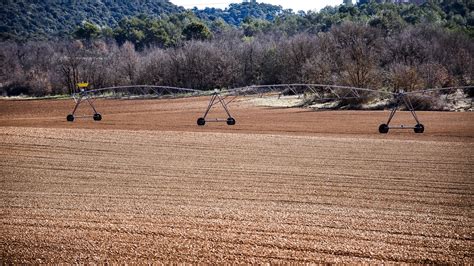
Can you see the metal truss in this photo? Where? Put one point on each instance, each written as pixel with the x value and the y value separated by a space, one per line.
pixel 403 98
pixel 317 91
pixel 314 92
pixel 142 91
pixel 130 92
pixel 320 92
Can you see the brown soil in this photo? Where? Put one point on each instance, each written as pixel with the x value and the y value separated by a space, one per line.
pixel 147 184
pixel 181 115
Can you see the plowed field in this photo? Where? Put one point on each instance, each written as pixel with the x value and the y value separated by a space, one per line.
pixel 283 185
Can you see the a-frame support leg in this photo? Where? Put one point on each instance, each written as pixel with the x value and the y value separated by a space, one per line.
pixel 83 97
pixel 418 128
pixel 215 99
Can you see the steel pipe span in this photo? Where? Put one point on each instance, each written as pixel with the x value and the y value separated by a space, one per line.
pixel 315 92
pixel 136 90
pixel 320 91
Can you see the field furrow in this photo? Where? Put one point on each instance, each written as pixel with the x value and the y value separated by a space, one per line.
pixel 102 195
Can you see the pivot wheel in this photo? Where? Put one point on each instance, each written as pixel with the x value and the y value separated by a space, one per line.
pixel 70 118
pixel 419 128
pixel 383 128
pixel 97 117
pixel 230 121
pixel 201 121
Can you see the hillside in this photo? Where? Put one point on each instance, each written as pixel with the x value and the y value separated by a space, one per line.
pixel 36 20
pixel 235 14
pixel 29 19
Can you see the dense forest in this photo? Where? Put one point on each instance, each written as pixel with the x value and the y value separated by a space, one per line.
pixel 381 46
pixel 24 20
pixel 47 19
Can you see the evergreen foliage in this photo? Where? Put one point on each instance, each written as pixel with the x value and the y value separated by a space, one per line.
pixel 45 19
pixel 30 19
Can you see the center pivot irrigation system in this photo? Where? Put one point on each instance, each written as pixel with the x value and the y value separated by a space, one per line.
pixel 309 92
pixel 121 92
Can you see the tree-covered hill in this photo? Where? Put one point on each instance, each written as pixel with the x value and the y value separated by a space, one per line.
pixel 42 19
pixel 22 20
pixel 235 14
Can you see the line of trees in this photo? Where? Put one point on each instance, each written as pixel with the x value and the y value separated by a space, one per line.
pixel 352 53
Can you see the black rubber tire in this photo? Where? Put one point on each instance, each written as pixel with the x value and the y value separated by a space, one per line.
pixel 70 118
pixel 97 117
pixel 383 129
pixel 201 121
pixel 419 128
pixel 230 121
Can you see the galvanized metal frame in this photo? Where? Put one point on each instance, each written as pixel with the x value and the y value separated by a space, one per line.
pixel 323 92
pixel 319 92
pixel 80 97
pixel 403 98
pixel 135 91
pixel 216 98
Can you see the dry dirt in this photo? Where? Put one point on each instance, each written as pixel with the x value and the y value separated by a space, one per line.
pixel 283 185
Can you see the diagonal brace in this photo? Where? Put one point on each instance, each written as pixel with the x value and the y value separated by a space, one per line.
pixel 216 98
pixel 399 99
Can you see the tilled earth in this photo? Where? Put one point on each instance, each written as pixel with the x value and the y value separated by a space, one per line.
pixel 282 185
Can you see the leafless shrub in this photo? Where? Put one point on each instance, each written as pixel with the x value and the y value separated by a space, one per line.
pixel 406 78
pixel 426 103
pixel 435 75
pixel 359 49
pixel 410 78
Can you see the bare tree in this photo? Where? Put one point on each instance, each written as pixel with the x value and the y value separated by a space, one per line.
pixel 358 50
pixel 73 55
pixel 152 68
pixel 11 69
pixel 294 54
pixel 250 59
pixel 349 54
pixel 409 48
pixel 435 75
pixel 321 67
pixel 128 63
